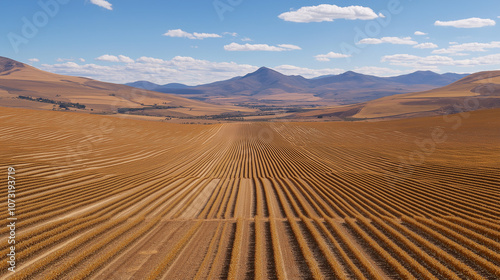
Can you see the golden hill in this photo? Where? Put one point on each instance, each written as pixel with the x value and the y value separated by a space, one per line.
pixel 477 91
pixel 18 79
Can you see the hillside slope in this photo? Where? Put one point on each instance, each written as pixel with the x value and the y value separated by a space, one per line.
pixel 474 92
pixel 477 91
pixel 18 79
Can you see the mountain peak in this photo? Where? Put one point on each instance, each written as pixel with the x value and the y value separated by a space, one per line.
pixel 7 64
pixel 425 72
pixel 144 85
pixel 350 74
pixel 264 70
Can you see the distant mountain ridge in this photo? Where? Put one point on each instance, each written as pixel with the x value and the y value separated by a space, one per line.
pixel 271 86
pixel 421 77
pixel 143 85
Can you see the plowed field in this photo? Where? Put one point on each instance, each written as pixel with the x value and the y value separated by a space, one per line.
pixel 105 198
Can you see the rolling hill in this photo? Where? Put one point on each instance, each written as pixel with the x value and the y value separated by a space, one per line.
pixel 271 87
pixel 24 86
pixel 477 91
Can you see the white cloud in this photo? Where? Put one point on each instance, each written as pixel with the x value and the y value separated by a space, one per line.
pixel 377 71
pixel 102 3
pixel 330 55
pixel 453 43
pixel 81 60
pixel 436 60
pixel 234 34
pixel 64 59
pixel 390 40
pixel 426 46
pixel 202 36
pixel 112 58
pixel 150 60
pixel 467 23
pixel 260 47
pixel 179 33
pixel 468 47
pixel 420 33
pixel 34 60
pixel 125 59
pixel 416 61
pixel 289 47
pixel 108 58
pixel 326 12
pixel 246 39
pixel 306 72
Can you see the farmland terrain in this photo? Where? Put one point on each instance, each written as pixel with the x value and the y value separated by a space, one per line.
pixel 101 197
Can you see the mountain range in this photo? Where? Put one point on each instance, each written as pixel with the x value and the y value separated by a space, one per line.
pixel 269 86
pixel 24 86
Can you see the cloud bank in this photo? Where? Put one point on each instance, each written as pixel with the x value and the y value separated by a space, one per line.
pixel 468 47
pixel 330 55
pixel 433 61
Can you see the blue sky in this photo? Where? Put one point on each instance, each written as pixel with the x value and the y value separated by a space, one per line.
pixel 202 41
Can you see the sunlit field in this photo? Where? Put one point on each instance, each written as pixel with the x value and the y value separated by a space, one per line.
pixel 107 198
